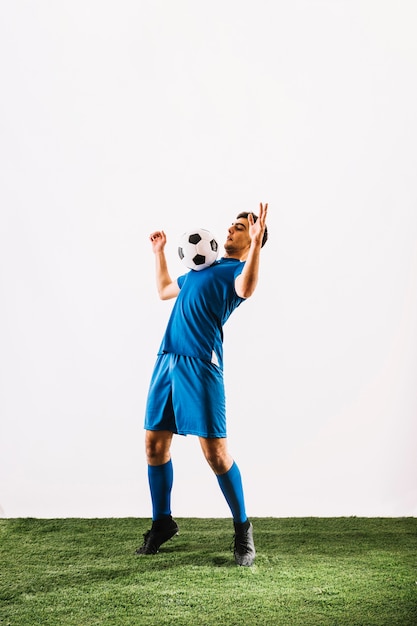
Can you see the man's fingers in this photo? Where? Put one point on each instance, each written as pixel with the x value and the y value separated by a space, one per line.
pixel 263 210
pixel 157 236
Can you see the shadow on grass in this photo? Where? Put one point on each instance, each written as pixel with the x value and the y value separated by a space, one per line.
pixel 184 555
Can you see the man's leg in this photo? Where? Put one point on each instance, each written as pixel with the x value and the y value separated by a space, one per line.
pixel 160 475
pixel 228 475
pixel 230 481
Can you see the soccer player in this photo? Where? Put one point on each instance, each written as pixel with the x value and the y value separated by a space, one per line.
pixel 186 394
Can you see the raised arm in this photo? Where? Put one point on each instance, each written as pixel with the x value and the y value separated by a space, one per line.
pixel 246 282
pixel 167 288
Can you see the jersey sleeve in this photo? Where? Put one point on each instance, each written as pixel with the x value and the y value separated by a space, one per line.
pixel 239 269
pixel 180 280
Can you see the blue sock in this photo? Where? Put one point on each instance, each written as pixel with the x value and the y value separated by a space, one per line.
pixel 160 483
pixel 231 486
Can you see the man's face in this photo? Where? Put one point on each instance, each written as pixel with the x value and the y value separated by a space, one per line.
pixel 238 239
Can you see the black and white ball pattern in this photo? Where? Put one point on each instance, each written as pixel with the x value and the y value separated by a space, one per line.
pixel 198 249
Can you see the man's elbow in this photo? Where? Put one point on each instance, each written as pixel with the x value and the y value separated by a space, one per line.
pixel 163 294
pixel 167 292
pixel 245 293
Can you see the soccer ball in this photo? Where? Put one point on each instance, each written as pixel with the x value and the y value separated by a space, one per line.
pixel 198 249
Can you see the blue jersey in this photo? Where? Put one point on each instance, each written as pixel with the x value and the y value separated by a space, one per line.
pixel 204 303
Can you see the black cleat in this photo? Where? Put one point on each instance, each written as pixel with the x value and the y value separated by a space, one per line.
pixel 244 548
pixel 161 531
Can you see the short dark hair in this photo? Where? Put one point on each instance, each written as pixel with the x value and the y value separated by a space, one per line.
pixel 255 217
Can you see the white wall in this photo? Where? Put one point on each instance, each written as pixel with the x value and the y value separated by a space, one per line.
pixel 118 118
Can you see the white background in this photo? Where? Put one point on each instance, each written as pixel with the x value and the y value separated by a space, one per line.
pixel 118 118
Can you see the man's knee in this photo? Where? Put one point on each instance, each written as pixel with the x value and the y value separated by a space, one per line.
pixel 217 455
pixel 158 446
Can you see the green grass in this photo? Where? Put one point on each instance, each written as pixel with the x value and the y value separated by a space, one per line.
pixel 309 571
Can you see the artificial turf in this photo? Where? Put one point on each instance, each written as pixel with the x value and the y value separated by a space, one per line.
pixel 310 571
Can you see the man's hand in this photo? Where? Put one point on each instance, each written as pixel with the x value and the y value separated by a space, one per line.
pixel 166 287
pixel 158 240
pixel 245 283
pixel 257 229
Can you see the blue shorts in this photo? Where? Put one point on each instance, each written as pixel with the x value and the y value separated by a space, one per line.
pixel 186 396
